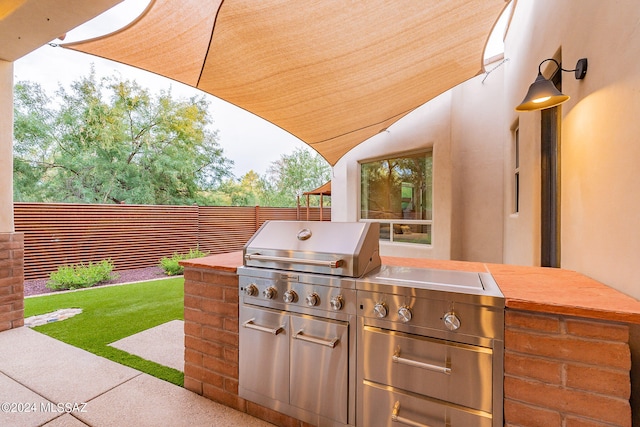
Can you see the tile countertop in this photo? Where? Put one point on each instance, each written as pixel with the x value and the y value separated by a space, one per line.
pixel 547 290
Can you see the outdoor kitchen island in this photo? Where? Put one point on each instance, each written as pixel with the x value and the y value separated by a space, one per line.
pixel 567 359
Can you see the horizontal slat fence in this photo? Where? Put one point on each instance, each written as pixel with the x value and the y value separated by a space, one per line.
pixel 135 236
pixel 225 229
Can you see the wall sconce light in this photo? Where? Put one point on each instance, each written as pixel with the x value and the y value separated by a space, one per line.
pixel 543 93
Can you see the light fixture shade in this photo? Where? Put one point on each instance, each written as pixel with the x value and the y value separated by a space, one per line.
pixel 542 94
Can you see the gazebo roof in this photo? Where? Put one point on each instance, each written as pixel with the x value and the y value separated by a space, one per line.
pixel 324 189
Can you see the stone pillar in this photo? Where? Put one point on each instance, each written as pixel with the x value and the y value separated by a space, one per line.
pixel 11 243
pixel 11 280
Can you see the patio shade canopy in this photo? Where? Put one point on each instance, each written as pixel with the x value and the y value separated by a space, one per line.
pixel 331 72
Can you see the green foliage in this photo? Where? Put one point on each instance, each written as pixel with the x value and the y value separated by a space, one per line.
pixel 292 175
pixel 80 275
pixel 110 141
pixel 112 313
pixel 246 192
pixel 171 265
pixel 287 178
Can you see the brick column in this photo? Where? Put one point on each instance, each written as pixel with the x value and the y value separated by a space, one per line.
pixel 11 280
pixel 211 342
pixel 565 371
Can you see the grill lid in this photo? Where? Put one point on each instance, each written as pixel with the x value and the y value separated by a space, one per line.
pixel 337 248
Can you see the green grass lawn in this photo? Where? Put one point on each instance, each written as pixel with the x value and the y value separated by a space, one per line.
pixel 111 313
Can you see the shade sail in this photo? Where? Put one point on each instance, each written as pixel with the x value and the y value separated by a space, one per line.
pixel 331 72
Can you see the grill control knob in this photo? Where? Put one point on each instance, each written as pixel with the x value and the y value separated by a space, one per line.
pixel 251 290
pixel 312 299
pixel 451 321
pixel 337 302
pixel 404 313
pixel 290 296
pixel 270 292
pixel 380 310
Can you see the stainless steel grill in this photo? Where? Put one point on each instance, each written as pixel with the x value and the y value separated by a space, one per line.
pixel 331 337
pixel 298 317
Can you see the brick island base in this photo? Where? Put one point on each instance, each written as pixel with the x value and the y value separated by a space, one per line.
pixel 11 280
pixel 560 370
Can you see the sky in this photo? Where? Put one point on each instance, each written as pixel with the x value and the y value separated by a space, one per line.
pixel 251 142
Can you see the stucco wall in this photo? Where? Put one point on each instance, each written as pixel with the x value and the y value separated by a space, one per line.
pixel 477 135
pixel 600 178
pixel 6 146
pixel 470 126
pixel 464 128
pixel 425 128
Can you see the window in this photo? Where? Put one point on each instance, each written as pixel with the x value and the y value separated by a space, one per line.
pixel 397 193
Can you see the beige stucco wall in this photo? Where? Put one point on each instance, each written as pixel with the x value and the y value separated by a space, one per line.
pixel 470 129
pixel 477 135
pixel 425 128
pixel 465 134
pixel 600 149
pixel 6 147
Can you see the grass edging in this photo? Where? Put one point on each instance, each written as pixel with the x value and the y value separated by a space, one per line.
pixel 112 313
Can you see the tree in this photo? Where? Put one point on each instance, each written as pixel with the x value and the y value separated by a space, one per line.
pixel 110 141
pixel 292 175
pixel 34 141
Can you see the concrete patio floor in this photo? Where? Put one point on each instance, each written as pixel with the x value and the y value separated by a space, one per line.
pixel 45 382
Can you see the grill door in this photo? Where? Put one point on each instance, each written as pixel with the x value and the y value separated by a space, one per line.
pixel 320 366
pixel 264 352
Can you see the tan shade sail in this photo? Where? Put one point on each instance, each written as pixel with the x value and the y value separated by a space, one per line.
pixel 331 72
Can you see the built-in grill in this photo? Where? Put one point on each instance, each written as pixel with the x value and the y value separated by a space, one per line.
pixel 298 317
pixel 331 337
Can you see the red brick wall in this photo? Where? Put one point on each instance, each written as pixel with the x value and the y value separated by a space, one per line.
pixel 559 371
pixel 565 372
pixel 211 342
pixel 11 280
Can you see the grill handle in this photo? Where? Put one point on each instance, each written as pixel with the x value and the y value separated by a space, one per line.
pixel 396 418
pixel 273 331
pixel 300 336
pixel 403 361
pixel 332 264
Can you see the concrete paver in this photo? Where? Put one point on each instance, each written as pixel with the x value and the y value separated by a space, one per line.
pixel 163 344
pixel 38 370
pixel 151 402
pixel 20 406
pixel 55 370
pixel 66 420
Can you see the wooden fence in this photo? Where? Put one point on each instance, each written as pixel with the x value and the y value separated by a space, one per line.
pixel 135 236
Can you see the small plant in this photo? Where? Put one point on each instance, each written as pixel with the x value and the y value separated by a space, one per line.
pixel 171 265
pixel 81 275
